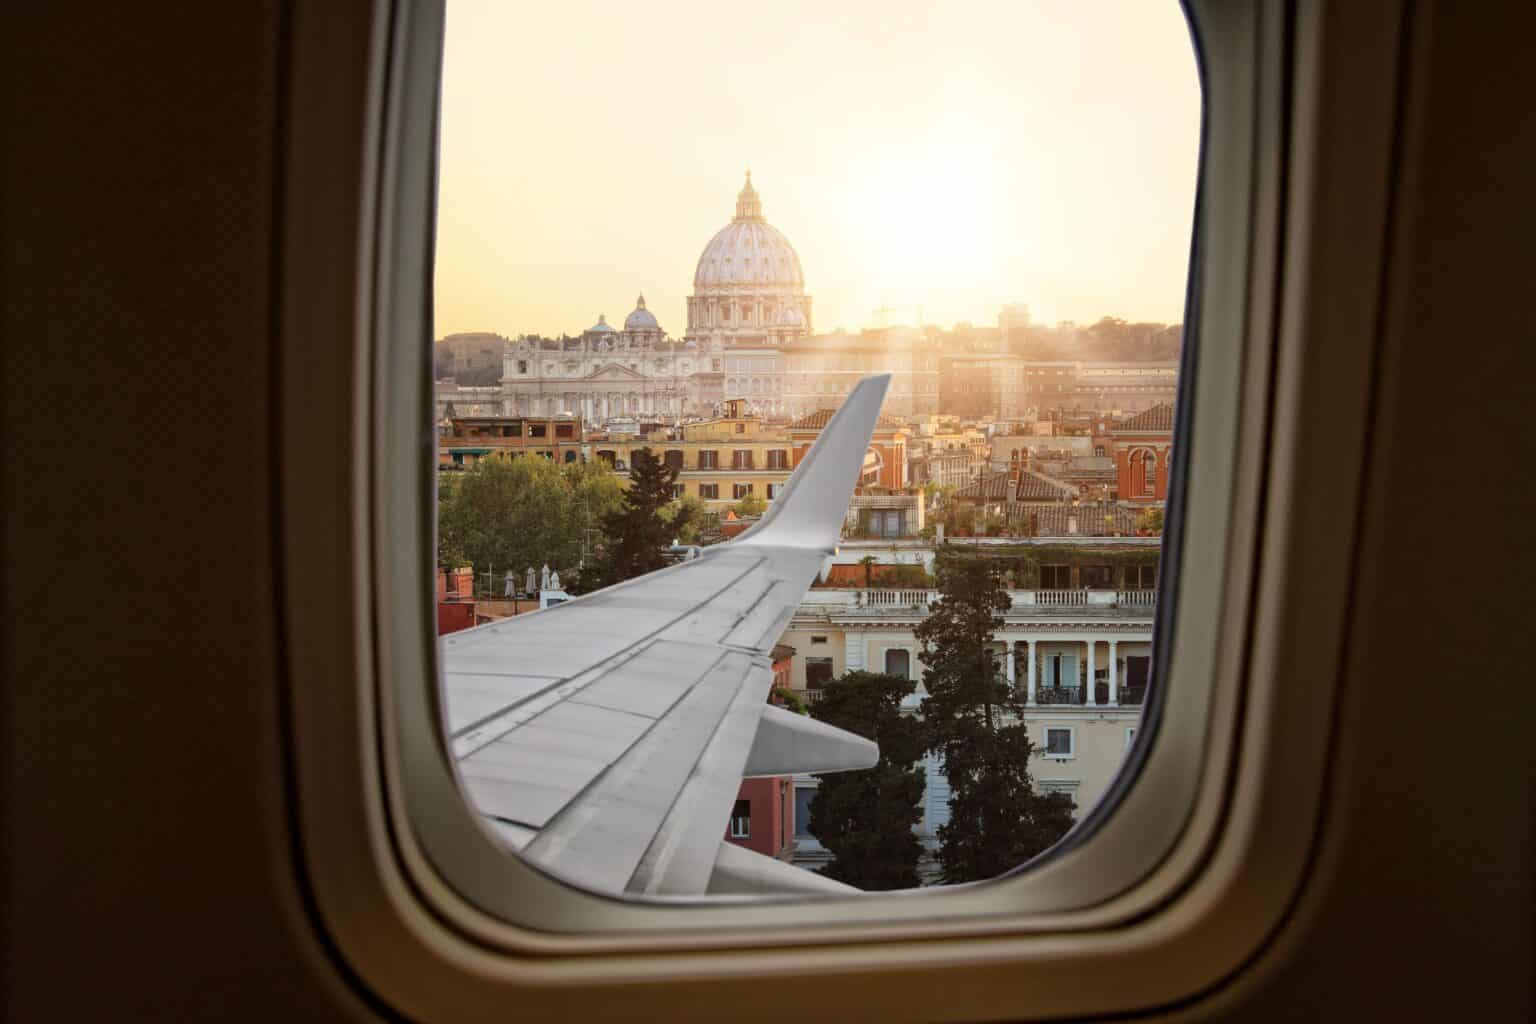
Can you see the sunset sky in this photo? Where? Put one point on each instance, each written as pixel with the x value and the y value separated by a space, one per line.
pixel 950 157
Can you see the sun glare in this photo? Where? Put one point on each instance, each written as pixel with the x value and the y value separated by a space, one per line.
pixel 937 169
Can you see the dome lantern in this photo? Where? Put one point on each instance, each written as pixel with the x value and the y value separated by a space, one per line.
pixel 748 205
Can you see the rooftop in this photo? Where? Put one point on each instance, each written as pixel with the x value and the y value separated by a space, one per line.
pixel 1157 419
pixel 819 419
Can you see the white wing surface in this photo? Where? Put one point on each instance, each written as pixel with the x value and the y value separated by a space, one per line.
pixel 607 737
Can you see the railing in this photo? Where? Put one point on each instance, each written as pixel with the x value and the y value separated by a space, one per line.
pixel 1133 694
pixel 883 597
pixel 895 598
pixel 809 696
pixel 1059 695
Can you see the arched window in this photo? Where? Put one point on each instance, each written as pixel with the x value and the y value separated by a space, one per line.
pixel 1149 475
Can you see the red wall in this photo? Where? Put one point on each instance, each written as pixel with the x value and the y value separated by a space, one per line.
pixel 453 616
pixel 1130 474
pixel 772 829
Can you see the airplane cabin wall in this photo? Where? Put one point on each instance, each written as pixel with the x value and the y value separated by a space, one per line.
pixel 149 863
pixel 150 866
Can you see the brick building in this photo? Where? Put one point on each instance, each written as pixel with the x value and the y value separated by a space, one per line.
pixel 1143 453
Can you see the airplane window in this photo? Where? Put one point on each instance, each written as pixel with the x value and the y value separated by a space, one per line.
pixel 944 210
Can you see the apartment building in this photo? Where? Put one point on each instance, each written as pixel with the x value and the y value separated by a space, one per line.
pixel 718 471
pixel 465 440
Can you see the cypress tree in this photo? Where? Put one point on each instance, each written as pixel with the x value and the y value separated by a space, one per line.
pixel 974 722
pixel 866 818
pixel 637 532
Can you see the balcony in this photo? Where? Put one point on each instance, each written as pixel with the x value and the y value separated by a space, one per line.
pixel 1047 695
pixel 895 598
pixel 880 598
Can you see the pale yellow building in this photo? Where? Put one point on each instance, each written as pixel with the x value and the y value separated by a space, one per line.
pixel 718 471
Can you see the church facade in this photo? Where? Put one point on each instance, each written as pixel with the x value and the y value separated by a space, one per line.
pixel 609 372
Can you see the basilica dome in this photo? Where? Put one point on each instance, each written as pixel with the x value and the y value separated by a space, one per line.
pixel 641 319
pixel 748 251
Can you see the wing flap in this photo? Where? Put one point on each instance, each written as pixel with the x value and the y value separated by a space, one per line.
pixel 787 743
pixel 599 840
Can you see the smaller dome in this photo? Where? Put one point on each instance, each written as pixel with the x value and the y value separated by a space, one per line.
pixel 601 327
pixel 641 319
pixel 790 316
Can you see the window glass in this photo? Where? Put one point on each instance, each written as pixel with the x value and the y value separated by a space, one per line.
pixel 1097 577
pixel 741 820
pixel 1055 577
pixel 1010 244
pixel 1058 742
pixel 803 797
pixel 818 672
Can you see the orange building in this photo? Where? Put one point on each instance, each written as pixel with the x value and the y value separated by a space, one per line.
pixel 888 446
pixel 1143 454
pixel 464 440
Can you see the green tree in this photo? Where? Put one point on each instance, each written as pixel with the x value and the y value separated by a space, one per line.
pixel 512 513
pixel 788 700
pixel 1151 521
pixel 974 721
pixel 866 818
pixel 751 505
pixel 637 531
pixel 685 517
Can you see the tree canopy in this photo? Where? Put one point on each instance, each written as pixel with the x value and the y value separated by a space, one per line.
pixel 751 505
pixel 521 512
pixel 866 818
pixel 974 721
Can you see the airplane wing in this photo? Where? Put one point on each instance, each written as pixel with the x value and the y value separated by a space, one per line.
pixel 607 737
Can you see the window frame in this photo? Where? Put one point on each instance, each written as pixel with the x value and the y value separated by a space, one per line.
pixel 376 841
pixel 829 663
pixel 738 830
pixel 1056 755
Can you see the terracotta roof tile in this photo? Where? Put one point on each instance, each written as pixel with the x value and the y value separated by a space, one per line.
pixel 819 418
pixel 1158 418
pixel 1090 519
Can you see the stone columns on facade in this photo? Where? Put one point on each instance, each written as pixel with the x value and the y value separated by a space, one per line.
pixel 1012 681
pixel 1030 671
pixel 1089 695
pixel 1114 675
